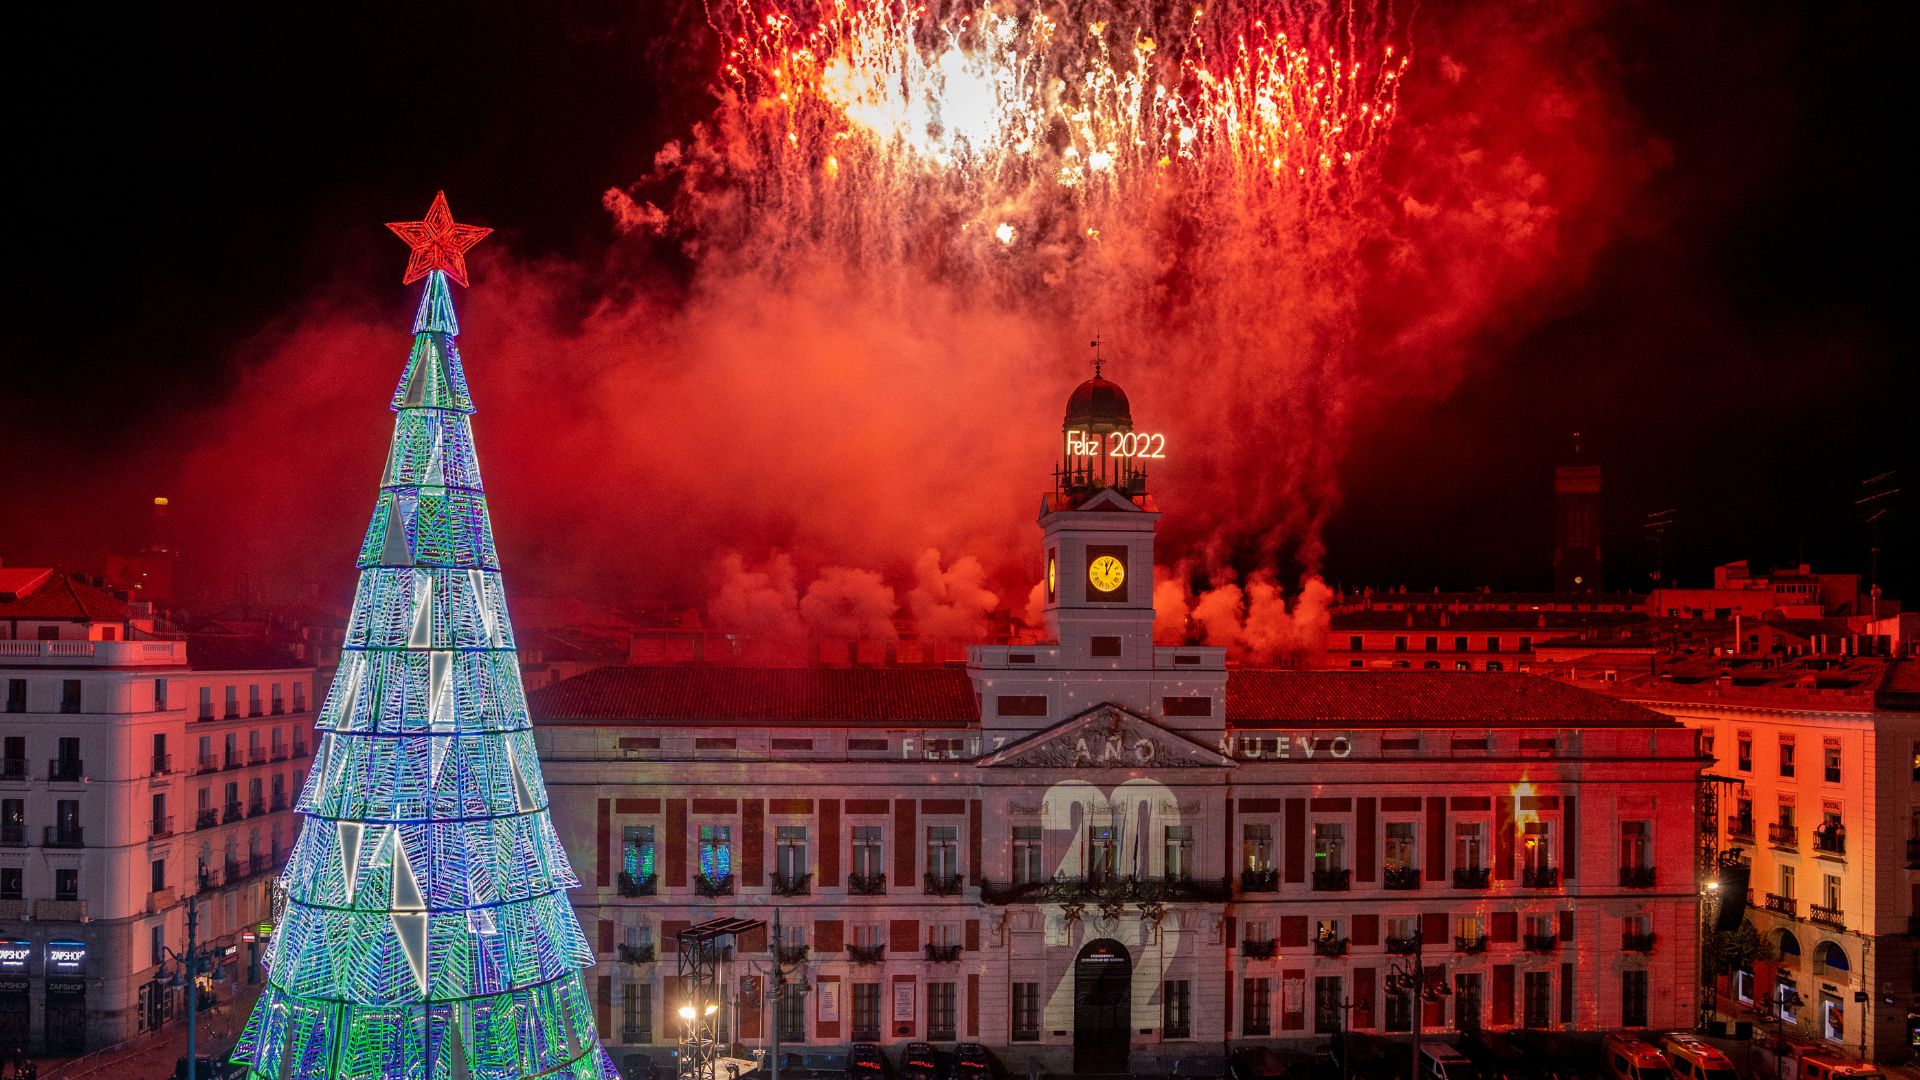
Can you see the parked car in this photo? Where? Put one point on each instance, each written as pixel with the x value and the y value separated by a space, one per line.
pixel 1438 1061
pixel 972 1062
pixel 1627 1057
pixel 920 1061
pixel 1693 1058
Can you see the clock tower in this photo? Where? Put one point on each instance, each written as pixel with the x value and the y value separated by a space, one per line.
pixel 1096 529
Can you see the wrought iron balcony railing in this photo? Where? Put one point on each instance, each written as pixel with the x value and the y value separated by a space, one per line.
pixel 801 885
pixel 1107 891
pixel 161 826
pixel 793 954
pixel 1264 879
pixel 631 886
pixel 942 954
pixel 1783 835
pixel 13 769
pixel 1330 947
pixel 866 954
pixel 1540 877
pixel 1476 944
pixel 1782 905
pixel 711 887
pixel 1830 840
pixel 1332 880
pixel 1402 877
pixel 1260 950
pixel 636 954
pixel 1402 946
pixel 66 836
pixel 1636 877
pixel 13 836
pixel 1740 826
pixel 942 884
pixel 1540 942
pixel 1472 877
pixel 1640 943
pixel 866 884
pixel 206 818
pixel 65 770
pixel 1825 916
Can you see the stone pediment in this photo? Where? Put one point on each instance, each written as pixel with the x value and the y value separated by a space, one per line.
pixel 1107 737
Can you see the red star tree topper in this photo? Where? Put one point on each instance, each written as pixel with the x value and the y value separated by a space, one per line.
pixel 438 243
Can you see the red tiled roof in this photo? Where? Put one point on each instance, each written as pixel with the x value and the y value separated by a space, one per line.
pixel 58 597
pixel 1425 698
pixel 832 697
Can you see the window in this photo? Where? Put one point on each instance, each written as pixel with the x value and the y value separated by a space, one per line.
pixel 159 874
pixel 1633 998
pixel 866 1010
pixel 716 852
pixel 1186 706
pixel 1636 845
pixel 1256 1011
pixel 791 1014
pixel 1463 665
pixel 66 883
pixel 279 702
pixel 1400 643
pixel 69 695
pixel 940 1011
pixel 1021 705
pixel 1493 644
pixel 943 852
pixel 1356 644
pixel 1706 743
pixel 157 944
pixel 1469 845
pixel 1026 854
pixel 1537 993
pixel 1786 882
pixel 790 852
pixel 1786 755
pixel 1328 996
pixel 1537 846
pixel 1916 755
pixel 1026 1012
pixel 1329 846
pixel 1832 762
pixel 206 703
pixel 1100 852
pixel 867 855
pixel 636 853
pixel 1468 928
pixel 17 702
pixel 1830 891
pixel 11 880
pixel 1179 852
pixel 1256 846
pixel 1460 644
pixel 1103 646
pixel 1400 851
pixel 636 1013
pixel 253 699
pixel 232 702
pixel 299 697
pixel 1744 760
pixel 1176 1016
pixel 1526 644
pixel 1327 930
pixel 159 695
pixel 1399 1008
pixel 1432 644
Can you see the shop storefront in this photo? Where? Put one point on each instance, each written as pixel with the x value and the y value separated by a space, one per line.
pixel 16 994
pixel 66 997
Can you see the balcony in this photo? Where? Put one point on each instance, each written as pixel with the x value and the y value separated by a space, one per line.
pixel 1472 877
pixel 208 878
pixel 299 748
pixel 1540 942
pixel 1254 949
pixel 1740 827
pixel 95 653
pixel 792 884
pixel 67 910
pixel 162 765
pixel 1640 943
pixel 207 764
pixel 160 827
pixel 206 818
pixel 866 954
pixel 1783 835
pixel 636 954
pixel 65 836
pixel 13 836
pixel 1636 877
pixel 232 760
pixel 235 871
pixel 1401 877
pixel 259 863
pixel 1830 841
pixel 279 802
pixel 65 771
pixel 1540 877
pixel 942 884
pixel 1106 891
pixel 13 769
pixel 1782 905
pixel 793 954
pixel 256 807
pixel 160 900
pixel 1332 880
pixel 1330 947
pixel 632 886
pixel 232 813
pixel 256 755
pixel 1265 879
pixel 1825 916
pixel 1470 944
pixel 712 887
pixel 1402 946
pixel 942 954
pixel 279 753
pixel 866 884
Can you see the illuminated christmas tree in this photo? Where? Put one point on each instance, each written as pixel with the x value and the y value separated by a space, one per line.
pixel 426 932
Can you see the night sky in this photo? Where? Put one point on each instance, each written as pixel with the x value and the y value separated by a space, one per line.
pixel 1733 352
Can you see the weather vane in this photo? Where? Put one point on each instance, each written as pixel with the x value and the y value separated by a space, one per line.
pixel 1095 346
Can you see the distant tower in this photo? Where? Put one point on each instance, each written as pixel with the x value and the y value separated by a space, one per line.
pixel 1576 526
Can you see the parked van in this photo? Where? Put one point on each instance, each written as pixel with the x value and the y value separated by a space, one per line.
pixel 1628 1058
pixel 1827 1067
pixel 1693 1058
pixel 1439 1061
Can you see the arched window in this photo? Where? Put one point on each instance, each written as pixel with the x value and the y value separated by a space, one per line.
pixel 1829 958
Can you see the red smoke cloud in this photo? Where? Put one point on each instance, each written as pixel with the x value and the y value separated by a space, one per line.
pixel 811 430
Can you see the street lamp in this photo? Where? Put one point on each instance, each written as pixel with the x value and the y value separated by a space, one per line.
pixel 195 960
pixel 1411 977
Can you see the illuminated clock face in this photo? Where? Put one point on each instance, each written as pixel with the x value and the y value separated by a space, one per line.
pixel 1053 575
pixel 1106 573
